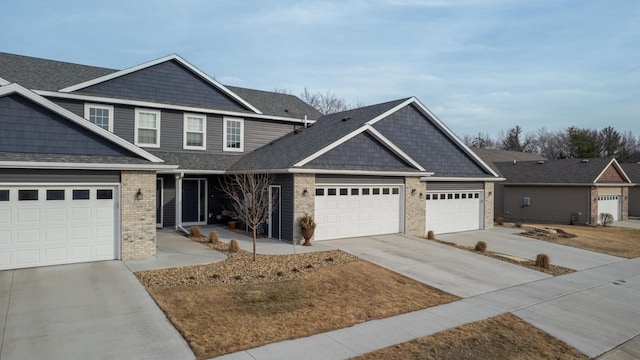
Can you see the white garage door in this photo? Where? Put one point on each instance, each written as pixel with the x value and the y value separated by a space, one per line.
pixel 454 211
pixel 609 204
pixel 357 210
pixel 50 225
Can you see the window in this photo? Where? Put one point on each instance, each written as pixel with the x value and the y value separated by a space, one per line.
pixel 195 130
pixel 395 191
pixel 147 128
pixel 4 195
pixel 344 192
pixel 233 134
pixel 442 196
pixel 449 196
pixel 104 194
pixel 376 191
pixel 55 194
pixel 355 191
pixel 80 194
pixel 331 192
pixel 101 115
pixel 319 192
pixel 428 196
pixel 457 196
pixel 385 191
pixel 476 196
pixel 24 195
pixel 365 191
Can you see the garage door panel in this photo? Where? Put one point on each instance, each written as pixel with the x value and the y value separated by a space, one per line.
pixel 453 211
pixel 609 204
pixel 56 229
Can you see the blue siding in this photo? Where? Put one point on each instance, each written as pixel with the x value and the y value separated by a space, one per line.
pixel 362 150
pixel 425 143
pixel 168 82
pixel 27 127
pixel 286 206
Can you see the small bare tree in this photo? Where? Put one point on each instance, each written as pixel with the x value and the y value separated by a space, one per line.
pixel 249 199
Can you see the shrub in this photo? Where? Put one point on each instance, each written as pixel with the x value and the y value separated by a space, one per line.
pixel 213 237
pixel 542 260
pixel 430 235
pixel 606 219
pixel 233 245
pixel 195 232
pixel 481 246
pixel 518 224
pixel 500 220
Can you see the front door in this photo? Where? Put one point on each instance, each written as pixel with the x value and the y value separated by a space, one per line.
pixel 194 201
pixel 274 211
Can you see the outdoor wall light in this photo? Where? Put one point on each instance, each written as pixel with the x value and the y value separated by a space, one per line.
pixel 413 192
pixel 139 195
pixel 305 192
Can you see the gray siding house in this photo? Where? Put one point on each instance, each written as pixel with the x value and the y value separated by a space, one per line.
pixel 94 160
pixel 633 170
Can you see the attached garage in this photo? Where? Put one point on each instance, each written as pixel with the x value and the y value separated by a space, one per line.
pixel 609 204
pixel 57 224
pixel 353 209
pixel 452 207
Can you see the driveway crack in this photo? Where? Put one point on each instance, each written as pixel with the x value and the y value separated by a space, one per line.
pixel 6 315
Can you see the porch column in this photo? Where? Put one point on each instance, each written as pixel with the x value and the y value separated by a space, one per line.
pixel 179 200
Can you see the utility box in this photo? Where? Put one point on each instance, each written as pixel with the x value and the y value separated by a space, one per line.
pixel 526 201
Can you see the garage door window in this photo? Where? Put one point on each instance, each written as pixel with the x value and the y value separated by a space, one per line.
pixel 55 194
pixel 80 194
pixel 365 191
pixel 319 192
pixel 331 192
pixel 4 195
pixel 27 195
pixel 344 192
pixel 355 191
pixel 104 194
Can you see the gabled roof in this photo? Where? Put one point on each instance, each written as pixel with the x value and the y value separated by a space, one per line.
pixel 633 171
pixel 491 156
pixel 77 120
pixel 277 104
pixel 198 162
pixel 559 171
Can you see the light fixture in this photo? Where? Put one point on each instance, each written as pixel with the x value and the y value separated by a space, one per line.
pixel 413 192
pixel 305 192
pixel 139 195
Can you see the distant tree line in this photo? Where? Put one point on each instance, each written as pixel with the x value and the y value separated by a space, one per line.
pixel 325 103
pixel 572 142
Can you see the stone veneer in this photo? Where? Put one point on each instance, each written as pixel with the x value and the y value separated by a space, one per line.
pixel 625 203
pixel 302 204
pixel 489 200
pixel 593 205
pixel 138 217
pixel 414 207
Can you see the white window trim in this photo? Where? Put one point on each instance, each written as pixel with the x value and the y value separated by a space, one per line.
pixel 224 134
pixel 204 132
pixel 89 106
pixel 135 134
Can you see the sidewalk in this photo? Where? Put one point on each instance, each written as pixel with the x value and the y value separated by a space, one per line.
pixel 594 310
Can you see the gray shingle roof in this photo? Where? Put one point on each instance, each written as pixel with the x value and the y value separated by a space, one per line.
pixel 491 156
pixel 195 161
pixel 67 158
pixel 633 171
pixel 563 171
pixel 43 74
pixel 298 145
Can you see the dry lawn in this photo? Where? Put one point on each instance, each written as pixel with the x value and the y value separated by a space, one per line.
pixel 615 241
pixel 502 337
pixel 236 304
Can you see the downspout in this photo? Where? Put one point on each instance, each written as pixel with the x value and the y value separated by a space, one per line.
pixel 305 121
pixel 178 226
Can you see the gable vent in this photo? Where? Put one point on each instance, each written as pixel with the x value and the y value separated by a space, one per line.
pixel 540 162
pixel 584 161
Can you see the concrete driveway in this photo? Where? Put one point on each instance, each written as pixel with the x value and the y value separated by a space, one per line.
pixel 456 271
pixel 506 241
pixel 83 311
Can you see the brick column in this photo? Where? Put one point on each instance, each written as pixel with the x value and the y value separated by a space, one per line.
pixel 138 217
pixel 414 207
pixel 303 203
pixel 489 203
pixel 625 203
pixel 593 205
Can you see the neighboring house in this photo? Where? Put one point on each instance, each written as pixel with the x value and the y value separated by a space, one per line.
pixel 633 170
pixel 491 156
pixel 94 159
pixel 564 191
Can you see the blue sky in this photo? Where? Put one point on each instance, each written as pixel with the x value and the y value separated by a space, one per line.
pixel 479 65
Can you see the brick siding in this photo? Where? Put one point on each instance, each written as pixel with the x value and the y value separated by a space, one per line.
pixel 138 224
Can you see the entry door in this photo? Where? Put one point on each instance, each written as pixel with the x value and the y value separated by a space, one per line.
pixel 194 201
pixel 159 185
pixel 274 211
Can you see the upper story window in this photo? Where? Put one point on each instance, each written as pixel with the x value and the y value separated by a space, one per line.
pixel 101 115
pixel 147 128
pixel 195 130
pixel 233 134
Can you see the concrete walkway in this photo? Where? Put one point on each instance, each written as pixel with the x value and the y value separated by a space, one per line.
pixel 585 309
pixel 631 223
pixel 83 311
pixel 455 271
pixel 506 241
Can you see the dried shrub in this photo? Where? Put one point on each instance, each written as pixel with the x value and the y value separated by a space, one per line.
pixel 542 260
pixel 195 232
pixel 518 224
pixel 213 237
pixel 233 246
pixel 606 219
pixel 430 235
pixel 481 246
pixel 500 220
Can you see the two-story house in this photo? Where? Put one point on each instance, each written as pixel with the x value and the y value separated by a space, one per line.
pixel 93 160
